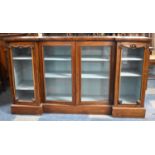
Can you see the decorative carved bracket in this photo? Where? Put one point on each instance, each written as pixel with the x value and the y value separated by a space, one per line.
pixel 21 46
pixel 133 46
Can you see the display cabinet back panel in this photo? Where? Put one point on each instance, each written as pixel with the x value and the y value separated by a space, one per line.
pixel 96 52
pixel 26 95
pixel 131 68
pixel 57 51
pixel 58 66
pixel 22 53
pixel 57 89
pixel 133 53
pixel 96 67
pixel 95 90
pixel 130 89
pixel 23 71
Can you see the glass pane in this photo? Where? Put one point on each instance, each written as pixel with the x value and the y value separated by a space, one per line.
pixel 58 73
pixel 131 74
pixel 95 73
pixel 22 60
pixel 151 71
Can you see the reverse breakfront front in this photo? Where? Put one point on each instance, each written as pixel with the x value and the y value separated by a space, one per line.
pixel 97 75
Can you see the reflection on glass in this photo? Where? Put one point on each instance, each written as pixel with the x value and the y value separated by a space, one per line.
pixel 131 74
pixel 95 73
pixel 22 60
pixel 58 73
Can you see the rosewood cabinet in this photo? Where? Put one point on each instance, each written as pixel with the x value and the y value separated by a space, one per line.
pixel 95 75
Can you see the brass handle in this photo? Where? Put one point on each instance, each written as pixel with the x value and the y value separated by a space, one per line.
pixel 133 46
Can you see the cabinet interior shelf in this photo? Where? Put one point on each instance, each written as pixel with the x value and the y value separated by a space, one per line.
pixel 94 59
pixel 131 59
pixel 57 59
pixel 69 59
pixel 130 74
pixel 22 58
pixel 25 85
pixel 84 75
pixel 58 98
pixel 94 98
pixel 94 76
pixel 57 75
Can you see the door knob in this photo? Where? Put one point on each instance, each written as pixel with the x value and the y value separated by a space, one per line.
pixel 133 45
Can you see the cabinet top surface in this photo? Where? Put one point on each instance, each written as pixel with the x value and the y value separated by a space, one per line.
pixel 78 38
pixel 2 35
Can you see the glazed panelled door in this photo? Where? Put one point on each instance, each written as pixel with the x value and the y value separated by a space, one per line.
pixel 94 72
pixel 58 72
pixel 22 64
pixel 131 83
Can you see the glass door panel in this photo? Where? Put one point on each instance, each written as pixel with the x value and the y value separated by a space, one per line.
pixel 58 73
pixel 131 75
pixel 95 73
pixel 23 73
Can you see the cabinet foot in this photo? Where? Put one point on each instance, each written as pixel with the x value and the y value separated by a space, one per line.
pixel 131 112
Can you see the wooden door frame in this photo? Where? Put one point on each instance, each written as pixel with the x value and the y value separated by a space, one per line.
pixel 34 50
pixel 144 72
pixel 42 65
pixel 78 71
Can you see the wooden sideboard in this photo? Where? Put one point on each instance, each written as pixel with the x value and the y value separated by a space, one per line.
pixel 95 75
